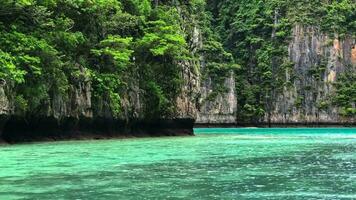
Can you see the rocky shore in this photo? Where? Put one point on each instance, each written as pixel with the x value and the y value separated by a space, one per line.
pixel 18 130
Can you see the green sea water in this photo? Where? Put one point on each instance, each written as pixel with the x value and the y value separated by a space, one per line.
pixel 215 164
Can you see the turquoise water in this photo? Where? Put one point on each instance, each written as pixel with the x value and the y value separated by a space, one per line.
pixel 216 164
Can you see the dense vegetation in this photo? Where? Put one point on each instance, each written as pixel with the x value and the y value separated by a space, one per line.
pixel 47 47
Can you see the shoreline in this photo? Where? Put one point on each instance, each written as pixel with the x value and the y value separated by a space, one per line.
pixel 277 125
pixel 19 130
pixel 89 138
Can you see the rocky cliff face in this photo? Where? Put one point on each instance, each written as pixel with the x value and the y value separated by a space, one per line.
pixel 4 107
pixel 318 61
pixel 77 118
pixel 222 108
pixel 79 103
pixel 4 102
pixel 186 101
pixel 76 105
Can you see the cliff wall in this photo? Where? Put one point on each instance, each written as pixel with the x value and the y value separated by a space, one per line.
pixel 319 60
pixel 222 108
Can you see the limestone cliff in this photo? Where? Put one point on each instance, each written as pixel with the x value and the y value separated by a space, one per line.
pixel 212 107
pixel 4 102
pixel 318 60
pixel 4 107
pixel 222 108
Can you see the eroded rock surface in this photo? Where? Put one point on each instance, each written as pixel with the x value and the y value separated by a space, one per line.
pixel 318 61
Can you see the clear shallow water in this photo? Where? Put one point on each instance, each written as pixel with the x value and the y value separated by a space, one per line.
pixel 216 164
